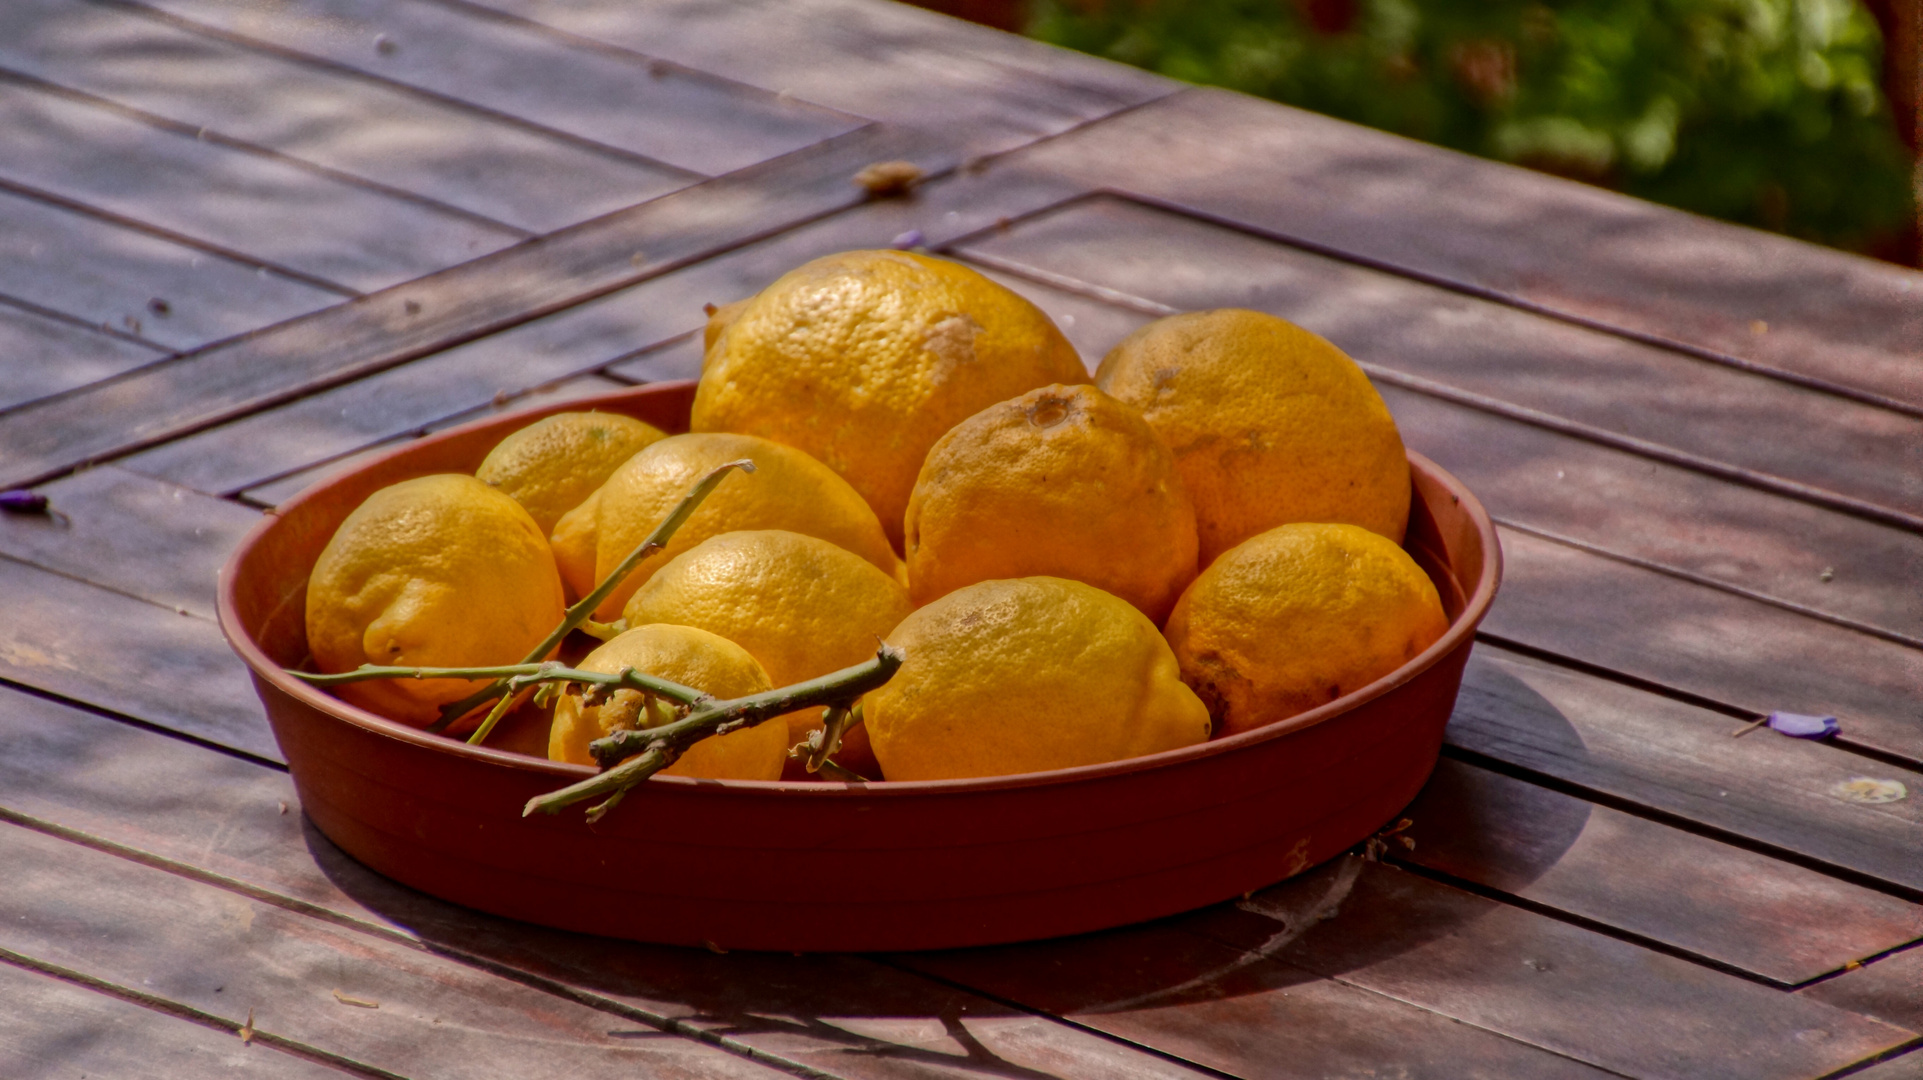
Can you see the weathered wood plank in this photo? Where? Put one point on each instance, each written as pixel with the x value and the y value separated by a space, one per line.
pixel 1578 250
pixel 225 954
pixel 279 489
pixel 1760 543
pixel 1890 989
pixel 1239 1011
pixel 1715 413
pixel 218 819
pixel 532 280
pixel 457 157
pixel 243 453
pixel 58 1029
pixel 1549 984
pixel 147 538
pixel 1909 1066
pixel 1723 903
pixel 107 649
pixel 1725 647
pixel 688 118
pixel 991 91
pixel 42 354
pixel 1612 741
pixel 165 293
pixel 265 208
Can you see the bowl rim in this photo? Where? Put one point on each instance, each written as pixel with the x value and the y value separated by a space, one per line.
pixel 1461 630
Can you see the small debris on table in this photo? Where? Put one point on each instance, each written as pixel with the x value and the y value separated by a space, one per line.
pixel 908 241
pixel 889 177
pixel 23 501
pixel 358 1003
pixel 1870 791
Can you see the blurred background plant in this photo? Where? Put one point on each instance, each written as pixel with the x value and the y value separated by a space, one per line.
pixel 1765 112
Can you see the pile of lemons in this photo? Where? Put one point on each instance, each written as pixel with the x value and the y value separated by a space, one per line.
pixel 1203 540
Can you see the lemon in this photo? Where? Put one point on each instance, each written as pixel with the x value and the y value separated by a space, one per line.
pixel 1269 423
pixel 439 571
pixel 1299 616
pixel 552 464
pixel 573 542
pixel 1063 481
pixel 788 490
pixel 690 657
pixel 1020 676
pixel 864 359
pixel 801 606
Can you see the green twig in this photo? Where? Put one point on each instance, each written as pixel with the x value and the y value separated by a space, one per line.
pixel 578 614
pixel 629 757
pixel 520 675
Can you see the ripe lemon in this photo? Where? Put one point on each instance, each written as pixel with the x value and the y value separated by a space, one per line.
pixel 1299 616
pixel 690 657
pixel 1019 676
pixel 801 606
pixel 573 541
pixel 1063 481
pixel 864 359
pixel 552 464
pixel 439 571
pixel 788 490
pixel 1269 423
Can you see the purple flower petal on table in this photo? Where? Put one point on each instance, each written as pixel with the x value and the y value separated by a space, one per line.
pixel 1799 726
pixel 22 501
pixel 910 239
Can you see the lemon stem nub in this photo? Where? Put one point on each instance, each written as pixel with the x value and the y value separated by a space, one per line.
pixel 629 757
pixel 577 615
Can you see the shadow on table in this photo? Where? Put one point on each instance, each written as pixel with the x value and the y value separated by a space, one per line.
pixel 1344 915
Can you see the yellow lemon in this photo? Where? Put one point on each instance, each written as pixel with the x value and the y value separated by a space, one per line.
pixel 1064 481
pixel 1019 676
pixel 439 571
pixel 1299 616
pixel 800 605
pixel 788 490
pixel 552 464
pixel 864 359
pixel 573 541
pixel 1269 423
pixel 690 657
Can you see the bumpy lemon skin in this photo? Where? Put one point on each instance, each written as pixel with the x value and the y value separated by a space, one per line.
pixel 801 606
pixel 788 490
pixel 865 358
pixel 1020 676
pixel 551 465
pixel 690 657
pixel 573 542
pixel 1063 481
pixel 1298 616
pixel 1270 424
pixel 438 571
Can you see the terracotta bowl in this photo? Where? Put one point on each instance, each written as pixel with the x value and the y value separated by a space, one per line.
pixel 819 866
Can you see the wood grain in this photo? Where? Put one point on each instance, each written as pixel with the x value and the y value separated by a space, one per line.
pixel 1485 348
pixel 1729 648
pixel 688 118
pixel 1562 987
pixel 1723 903
pixel 275 491
pixel 149 539
pixel 261 207
pixel 990 91
pixel 243 453
pixel 218 820
pixel 1889 989
pixel 1614 742
pixel 225 954
pixel 107 649
pixel 1582 252
pixel 109 275
pixel 42 353
pixel 354 127
pixel 58 1029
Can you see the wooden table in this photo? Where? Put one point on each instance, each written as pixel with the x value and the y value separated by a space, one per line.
pixel 246 242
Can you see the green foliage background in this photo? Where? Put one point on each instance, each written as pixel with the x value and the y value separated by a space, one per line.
pixel 1765 112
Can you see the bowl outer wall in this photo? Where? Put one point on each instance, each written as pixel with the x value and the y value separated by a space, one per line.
pixel 815 867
